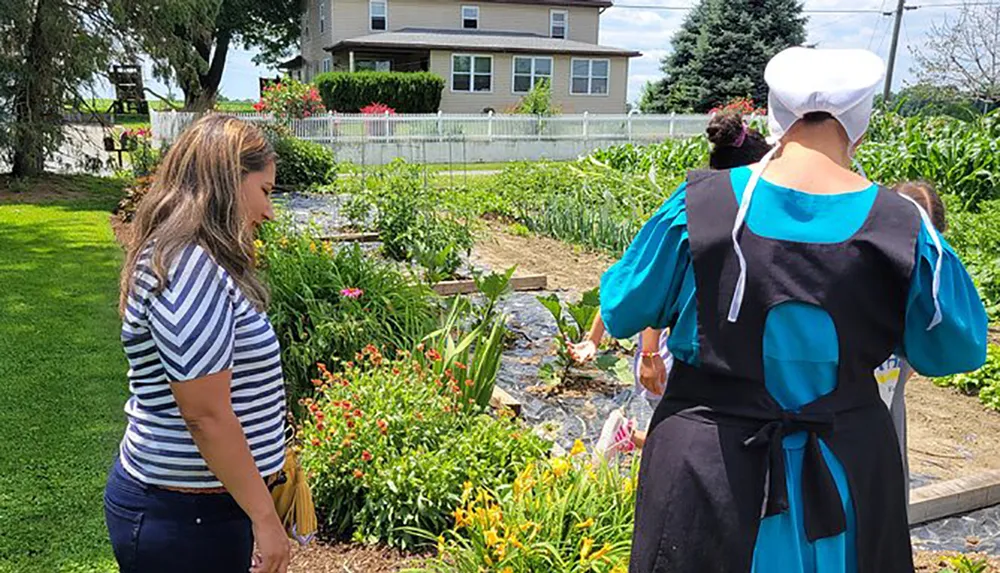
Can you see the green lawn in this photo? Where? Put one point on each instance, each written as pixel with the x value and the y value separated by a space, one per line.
pixel 62 374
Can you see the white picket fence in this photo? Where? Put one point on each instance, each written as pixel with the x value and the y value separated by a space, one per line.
pixel 332 129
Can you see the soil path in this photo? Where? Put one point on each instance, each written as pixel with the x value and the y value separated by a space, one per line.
pixel 950 435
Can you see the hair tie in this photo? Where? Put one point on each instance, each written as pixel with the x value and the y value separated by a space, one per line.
pixel 742 138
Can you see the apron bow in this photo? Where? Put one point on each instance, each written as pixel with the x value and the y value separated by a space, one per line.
pixel 822 507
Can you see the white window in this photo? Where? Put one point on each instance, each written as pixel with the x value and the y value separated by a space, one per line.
pixel 559 24
pixel 373 65
pixel 590 77
pixel 322 16
pixel 470 17
pixel 327 65
pixel 471 73
pixel 378 12
pixel 529 70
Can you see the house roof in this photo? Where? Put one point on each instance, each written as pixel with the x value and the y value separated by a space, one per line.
pixel 292 64
pixel 477 40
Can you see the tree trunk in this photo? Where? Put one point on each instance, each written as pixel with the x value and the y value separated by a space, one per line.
pixel 203 98
pixel 29 102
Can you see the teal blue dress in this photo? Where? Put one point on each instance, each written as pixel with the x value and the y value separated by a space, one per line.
pixel 653 286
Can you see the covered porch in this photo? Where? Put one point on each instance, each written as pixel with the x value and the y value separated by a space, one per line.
pixel 350 59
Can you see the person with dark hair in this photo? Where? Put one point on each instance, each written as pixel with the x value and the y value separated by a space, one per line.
pixel 784 286
pixel 927 197
pixel 734 143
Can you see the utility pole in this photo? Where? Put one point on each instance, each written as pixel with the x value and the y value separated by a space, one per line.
pixel 887 92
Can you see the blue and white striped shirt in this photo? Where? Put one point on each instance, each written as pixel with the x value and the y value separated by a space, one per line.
pixel 200 324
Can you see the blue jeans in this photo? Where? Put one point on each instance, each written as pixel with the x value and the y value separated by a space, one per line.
pixel 155 530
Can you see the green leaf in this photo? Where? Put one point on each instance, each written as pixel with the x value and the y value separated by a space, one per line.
pixel 552 304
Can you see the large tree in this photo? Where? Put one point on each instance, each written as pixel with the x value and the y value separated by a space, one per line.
pixel 721 51
pixel 49 50
pixel 189 43
pixel 963 52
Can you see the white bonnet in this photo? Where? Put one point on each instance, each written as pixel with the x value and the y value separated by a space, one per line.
pixel 840 82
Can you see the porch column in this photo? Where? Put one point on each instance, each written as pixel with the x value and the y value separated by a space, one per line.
pixel 350 60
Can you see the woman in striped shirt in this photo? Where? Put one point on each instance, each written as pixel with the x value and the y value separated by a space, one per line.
pixel 189 491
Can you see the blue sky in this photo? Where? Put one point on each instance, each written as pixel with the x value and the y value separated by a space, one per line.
pixel 649 31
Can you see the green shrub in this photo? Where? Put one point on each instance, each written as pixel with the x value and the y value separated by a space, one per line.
pixel 538 101
pixel 410 217
pixel 406 92
pixel 984 382
pixel 317 315
pixel 303 164
pixel 558 515
pixel 976 239
pixel 388 447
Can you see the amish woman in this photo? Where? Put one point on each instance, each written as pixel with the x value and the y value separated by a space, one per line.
pixel 206 434
pixel 771 450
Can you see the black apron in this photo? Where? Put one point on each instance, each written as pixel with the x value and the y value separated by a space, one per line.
pixel 713 464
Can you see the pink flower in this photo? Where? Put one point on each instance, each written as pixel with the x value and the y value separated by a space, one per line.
pixel 376 108
pixel 352 293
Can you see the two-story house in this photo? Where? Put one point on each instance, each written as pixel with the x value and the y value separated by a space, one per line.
pixel 490 52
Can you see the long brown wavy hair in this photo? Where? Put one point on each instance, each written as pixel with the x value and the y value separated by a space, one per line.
pixel 195 199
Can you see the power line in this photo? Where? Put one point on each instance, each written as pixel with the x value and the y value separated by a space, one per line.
pixel 878 25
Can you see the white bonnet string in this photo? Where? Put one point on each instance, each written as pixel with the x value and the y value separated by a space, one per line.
pixel 758 171
pixel 936 239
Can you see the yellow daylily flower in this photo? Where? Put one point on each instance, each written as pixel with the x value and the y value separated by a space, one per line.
pixel 578 448
pixel 585 547
pixel 588 523
pixel 459 515
pixel 560 467
pixel 600 553
pixel 491 537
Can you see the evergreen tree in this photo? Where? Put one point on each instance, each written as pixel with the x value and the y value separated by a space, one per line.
pixel 721 51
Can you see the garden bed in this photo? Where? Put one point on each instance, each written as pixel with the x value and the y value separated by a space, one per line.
pixel 950 435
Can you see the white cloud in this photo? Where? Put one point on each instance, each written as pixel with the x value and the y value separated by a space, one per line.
pixel 650 31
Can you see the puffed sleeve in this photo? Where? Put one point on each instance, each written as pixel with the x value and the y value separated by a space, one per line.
pixel 641 290
pixel 957 341
pixel 192 319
